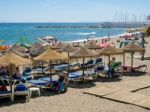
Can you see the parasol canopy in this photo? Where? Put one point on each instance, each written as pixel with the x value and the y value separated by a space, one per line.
pixel 84 52
pixel 12 58
pixel 92 45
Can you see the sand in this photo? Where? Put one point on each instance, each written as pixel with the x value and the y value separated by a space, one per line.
pixel 74 100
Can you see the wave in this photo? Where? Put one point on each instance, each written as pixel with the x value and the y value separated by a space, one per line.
pixel 88 33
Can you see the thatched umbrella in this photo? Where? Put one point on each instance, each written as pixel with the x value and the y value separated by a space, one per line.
pixel 92 45
pixel 36 49
pixel 12 59
pixel 68 48
pixel 50 55
pixel 110 51
pixel 83 53
pixel 58 46
pixel 19 50
pixel 132 49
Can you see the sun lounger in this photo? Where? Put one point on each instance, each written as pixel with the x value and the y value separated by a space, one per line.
pixel 75 76
pixel 4 92
pixel 39 70
pixel 140 68
pixel 47 79
pixel 21 90
pixel 88 64
pixel 61 67
pixel 98 61
pixel 38 82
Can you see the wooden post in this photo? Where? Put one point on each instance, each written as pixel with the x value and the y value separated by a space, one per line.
pixel 83 65
pixel 42 68
pixel 132 54
pixel 109 61
pixel 124 59
pixel 50 64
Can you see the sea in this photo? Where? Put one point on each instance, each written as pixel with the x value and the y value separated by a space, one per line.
pixel 64 32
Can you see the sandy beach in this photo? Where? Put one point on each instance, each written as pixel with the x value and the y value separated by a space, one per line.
pixel 74 100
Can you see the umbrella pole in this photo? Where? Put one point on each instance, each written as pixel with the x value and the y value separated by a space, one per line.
pixel 68 66
pixel 50 63
pixel 123 64
pixel 109 61
pixel 42 68
pixel 123 59
pixel 83 65
pixel 11 83
pixel 132 60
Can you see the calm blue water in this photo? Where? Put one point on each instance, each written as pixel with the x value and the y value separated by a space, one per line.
pixel 11 32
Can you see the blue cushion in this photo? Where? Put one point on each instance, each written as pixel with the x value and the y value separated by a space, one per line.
pixel 20 87
pixel 61 67
pixel 75 75
pixel 47 79
pixel 38 82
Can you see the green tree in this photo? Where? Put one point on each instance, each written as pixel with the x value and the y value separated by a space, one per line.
pixel 148 17
pixel 148 31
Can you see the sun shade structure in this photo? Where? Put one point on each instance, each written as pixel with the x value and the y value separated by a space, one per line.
pixel 108 51
pixel 68 48
pixel 111 51
pixel 20 51
pixel 83 53
pixel 132 49
pixel 12 58
pixel 58 46
pixel 51 55
pixel 92 45
pixel 37 49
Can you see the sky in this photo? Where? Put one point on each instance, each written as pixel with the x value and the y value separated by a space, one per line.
pixel 73 10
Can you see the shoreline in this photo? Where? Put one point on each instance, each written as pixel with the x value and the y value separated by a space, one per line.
pixel 97 38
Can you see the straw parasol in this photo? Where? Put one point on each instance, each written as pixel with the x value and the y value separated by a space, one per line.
pixel 12 58
pixel 83 53
pixel 57 46
pixel 68 48
pixel 92 45
pixel 132 49
pixel 110 51
pixel 37 49
pixel 20 51
pixel 51 55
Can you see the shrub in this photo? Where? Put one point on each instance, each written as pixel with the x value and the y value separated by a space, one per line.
pixel 148 31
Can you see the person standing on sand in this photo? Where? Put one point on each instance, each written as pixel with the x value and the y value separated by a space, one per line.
pixel 17 74
pixel 111 66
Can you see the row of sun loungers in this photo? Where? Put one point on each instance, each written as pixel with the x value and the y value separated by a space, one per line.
pixel 93 69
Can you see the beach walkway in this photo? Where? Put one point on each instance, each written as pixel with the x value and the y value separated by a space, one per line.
pixel 124 92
